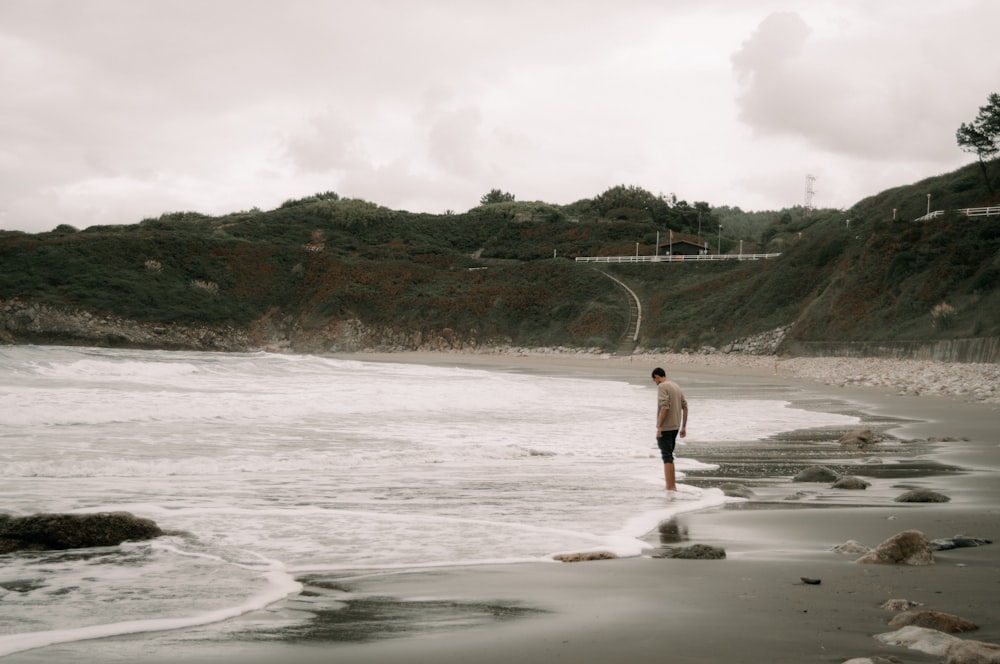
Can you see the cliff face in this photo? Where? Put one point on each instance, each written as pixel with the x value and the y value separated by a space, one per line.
pixel 24 322
pixel 29 323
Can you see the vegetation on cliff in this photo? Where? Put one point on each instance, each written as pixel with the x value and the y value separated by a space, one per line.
pixel 503 271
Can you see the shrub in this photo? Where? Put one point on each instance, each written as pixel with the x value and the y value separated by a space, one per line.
pixel 207 286
pixel 942 315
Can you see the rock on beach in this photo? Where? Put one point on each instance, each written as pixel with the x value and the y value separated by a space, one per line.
pixel 942 622
pixel 693 552
pixel 959 542
pixel 859 439
pixel 933 642
pixel 922 496
pixel 923 639
pixel 967 651
pixel 899 604
pixel 851 546
pixel 584 556
pixel 910 547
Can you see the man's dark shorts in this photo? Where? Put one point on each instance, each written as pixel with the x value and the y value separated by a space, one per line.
pixel 667 442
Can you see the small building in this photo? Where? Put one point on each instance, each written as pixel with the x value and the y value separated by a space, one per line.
pixel 679 244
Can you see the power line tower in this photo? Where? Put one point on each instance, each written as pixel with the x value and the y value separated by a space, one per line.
pixel 810 179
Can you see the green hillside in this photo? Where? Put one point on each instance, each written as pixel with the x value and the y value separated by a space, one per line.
pixel 503 272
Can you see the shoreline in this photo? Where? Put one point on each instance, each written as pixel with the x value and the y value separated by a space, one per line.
pixel 752 606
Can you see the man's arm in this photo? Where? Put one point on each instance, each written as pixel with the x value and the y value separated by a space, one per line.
pixel 684 422
pixel 661 418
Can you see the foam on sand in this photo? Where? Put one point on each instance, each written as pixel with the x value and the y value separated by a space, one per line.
pixel 281 585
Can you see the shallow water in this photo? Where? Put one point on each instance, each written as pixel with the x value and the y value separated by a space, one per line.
pixel 273 467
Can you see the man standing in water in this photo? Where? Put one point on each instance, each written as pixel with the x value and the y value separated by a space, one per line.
pixel 671 421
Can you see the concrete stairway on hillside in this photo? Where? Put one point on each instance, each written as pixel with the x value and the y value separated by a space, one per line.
pixel 629 341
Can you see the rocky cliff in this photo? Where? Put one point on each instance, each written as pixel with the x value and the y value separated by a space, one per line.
pixel 27 322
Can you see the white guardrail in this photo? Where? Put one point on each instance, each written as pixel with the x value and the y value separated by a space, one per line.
pixel 675 258
pixel 968 212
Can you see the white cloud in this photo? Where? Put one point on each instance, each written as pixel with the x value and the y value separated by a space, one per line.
pixel 327 141
pixel 878 90
pixel 115 110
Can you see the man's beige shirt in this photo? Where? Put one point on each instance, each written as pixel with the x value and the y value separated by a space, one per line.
pixel 669 396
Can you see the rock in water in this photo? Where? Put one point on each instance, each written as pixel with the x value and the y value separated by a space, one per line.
pixel 851 482
pixel 910 547
pixel 816 474
pixel 736 490
pixel 43 532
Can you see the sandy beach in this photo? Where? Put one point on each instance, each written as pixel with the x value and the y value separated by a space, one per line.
pixel 750 607
pixel 941 425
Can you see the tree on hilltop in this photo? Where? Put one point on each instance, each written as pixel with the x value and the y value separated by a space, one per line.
pixel 981 136
pixel 496 196
pixel 631 197
pixel 628 202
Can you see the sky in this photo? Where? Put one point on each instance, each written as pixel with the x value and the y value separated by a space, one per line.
pixel 113 111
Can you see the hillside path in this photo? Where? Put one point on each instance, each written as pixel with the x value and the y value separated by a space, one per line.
pixel 634 317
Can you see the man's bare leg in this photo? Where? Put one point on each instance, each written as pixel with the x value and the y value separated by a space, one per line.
pixel 670 476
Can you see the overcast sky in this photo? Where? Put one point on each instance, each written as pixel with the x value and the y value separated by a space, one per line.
pixel 116 110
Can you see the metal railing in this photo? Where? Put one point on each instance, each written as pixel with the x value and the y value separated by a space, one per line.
pixel 968 212
pixel 675 258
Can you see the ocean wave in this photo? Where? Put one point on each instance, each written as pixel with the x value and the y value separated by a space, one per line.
pixel 279 585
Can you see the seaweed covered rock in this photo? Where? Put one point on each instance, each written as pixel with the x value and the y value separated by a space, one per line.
pixel 584 556
pixel 44 532
pixel 694 552
pixel 922 496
